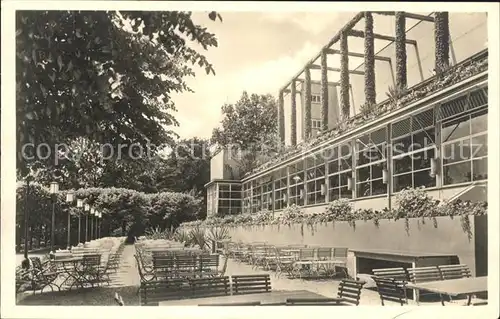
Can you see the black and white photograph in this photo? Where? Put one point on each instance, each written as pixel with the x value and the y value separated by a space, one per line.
pixel 224 156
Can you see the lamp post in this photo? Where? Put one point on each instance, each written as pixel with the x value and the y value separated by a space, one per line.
pixel 69 199
pixel 54 189
pixel 87 208
pixel 92 212
pixel 96 224
pixel 99 228
pixel 25 263
pixel 79 204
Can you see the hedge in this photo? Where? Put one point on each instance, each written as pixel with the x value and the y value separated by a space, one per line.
pixel 124 211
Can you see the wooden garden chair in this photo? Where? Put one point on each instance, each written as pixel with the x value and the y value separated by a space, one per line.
pixel 390 289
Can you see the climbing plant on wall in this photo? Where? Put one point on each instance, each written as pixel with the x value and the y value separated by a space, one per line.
pixel 400 50
pixel 442 41
pixel 370 95
pixel 344 76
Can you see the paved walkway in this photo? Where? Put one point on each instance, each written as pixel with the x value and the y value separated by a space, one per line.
pixel 127 274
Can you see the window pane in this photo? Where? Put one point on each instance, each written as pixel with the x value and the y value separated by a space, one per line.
pixel 344 177
pixel 363 189
pixel 345 163
pixel 402 181
pixel 423 120
pixel 456 152
pixel 402 165
pixel 330 153
pixel 320 170
pixel 423 139
pixel 363 174
pixel 378 187
pixel 363 157
pixel 457 173
pixel 401 146
pixel 401 128
pixel 423 178
pixel 345 150
pixel 223 211
pixel 320 198
pixel 334 181
pixel 376 153
pixel 422 160
pixel 235 203
pixel 480 169
pixel 310 187
pixel 378 136
pixel 334 194
pixel 479 146
pixel 311 173
pixel 362 141
pixel 235 194
pixel 479 122
pixel 333 167
pixel 345 193
pixel 377 171
pixel 456 129
pixel 310 162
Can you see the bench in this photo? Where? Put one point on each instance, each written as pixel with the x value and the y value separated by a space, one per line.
pixel 163 266
pixel 152 292
pixel 421 275
pixel 210 287
pixel 250 284
pixel 397 273
pixel 454 271
pixel 209 263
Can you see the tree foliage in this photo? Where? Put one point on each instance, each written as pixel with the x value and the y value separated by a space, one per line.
pixel 107 76
pixel 251 121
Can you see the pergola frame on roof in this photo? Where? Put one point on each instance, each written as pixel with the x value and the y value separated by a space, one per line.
pixel 346 31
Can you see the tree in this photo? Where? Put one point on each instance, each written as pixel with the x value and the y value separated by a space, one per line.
pixel 191 160
pixel 249 128
pixel 107 76
pixel 249 122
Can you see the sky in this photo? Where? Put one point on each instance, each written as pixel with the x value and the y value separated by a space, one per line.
pixel 257 52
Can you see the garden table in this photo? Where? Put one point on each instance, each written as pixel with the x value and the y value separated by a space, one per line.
pixel 69 267
pixel 278 296
pixel 454 287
